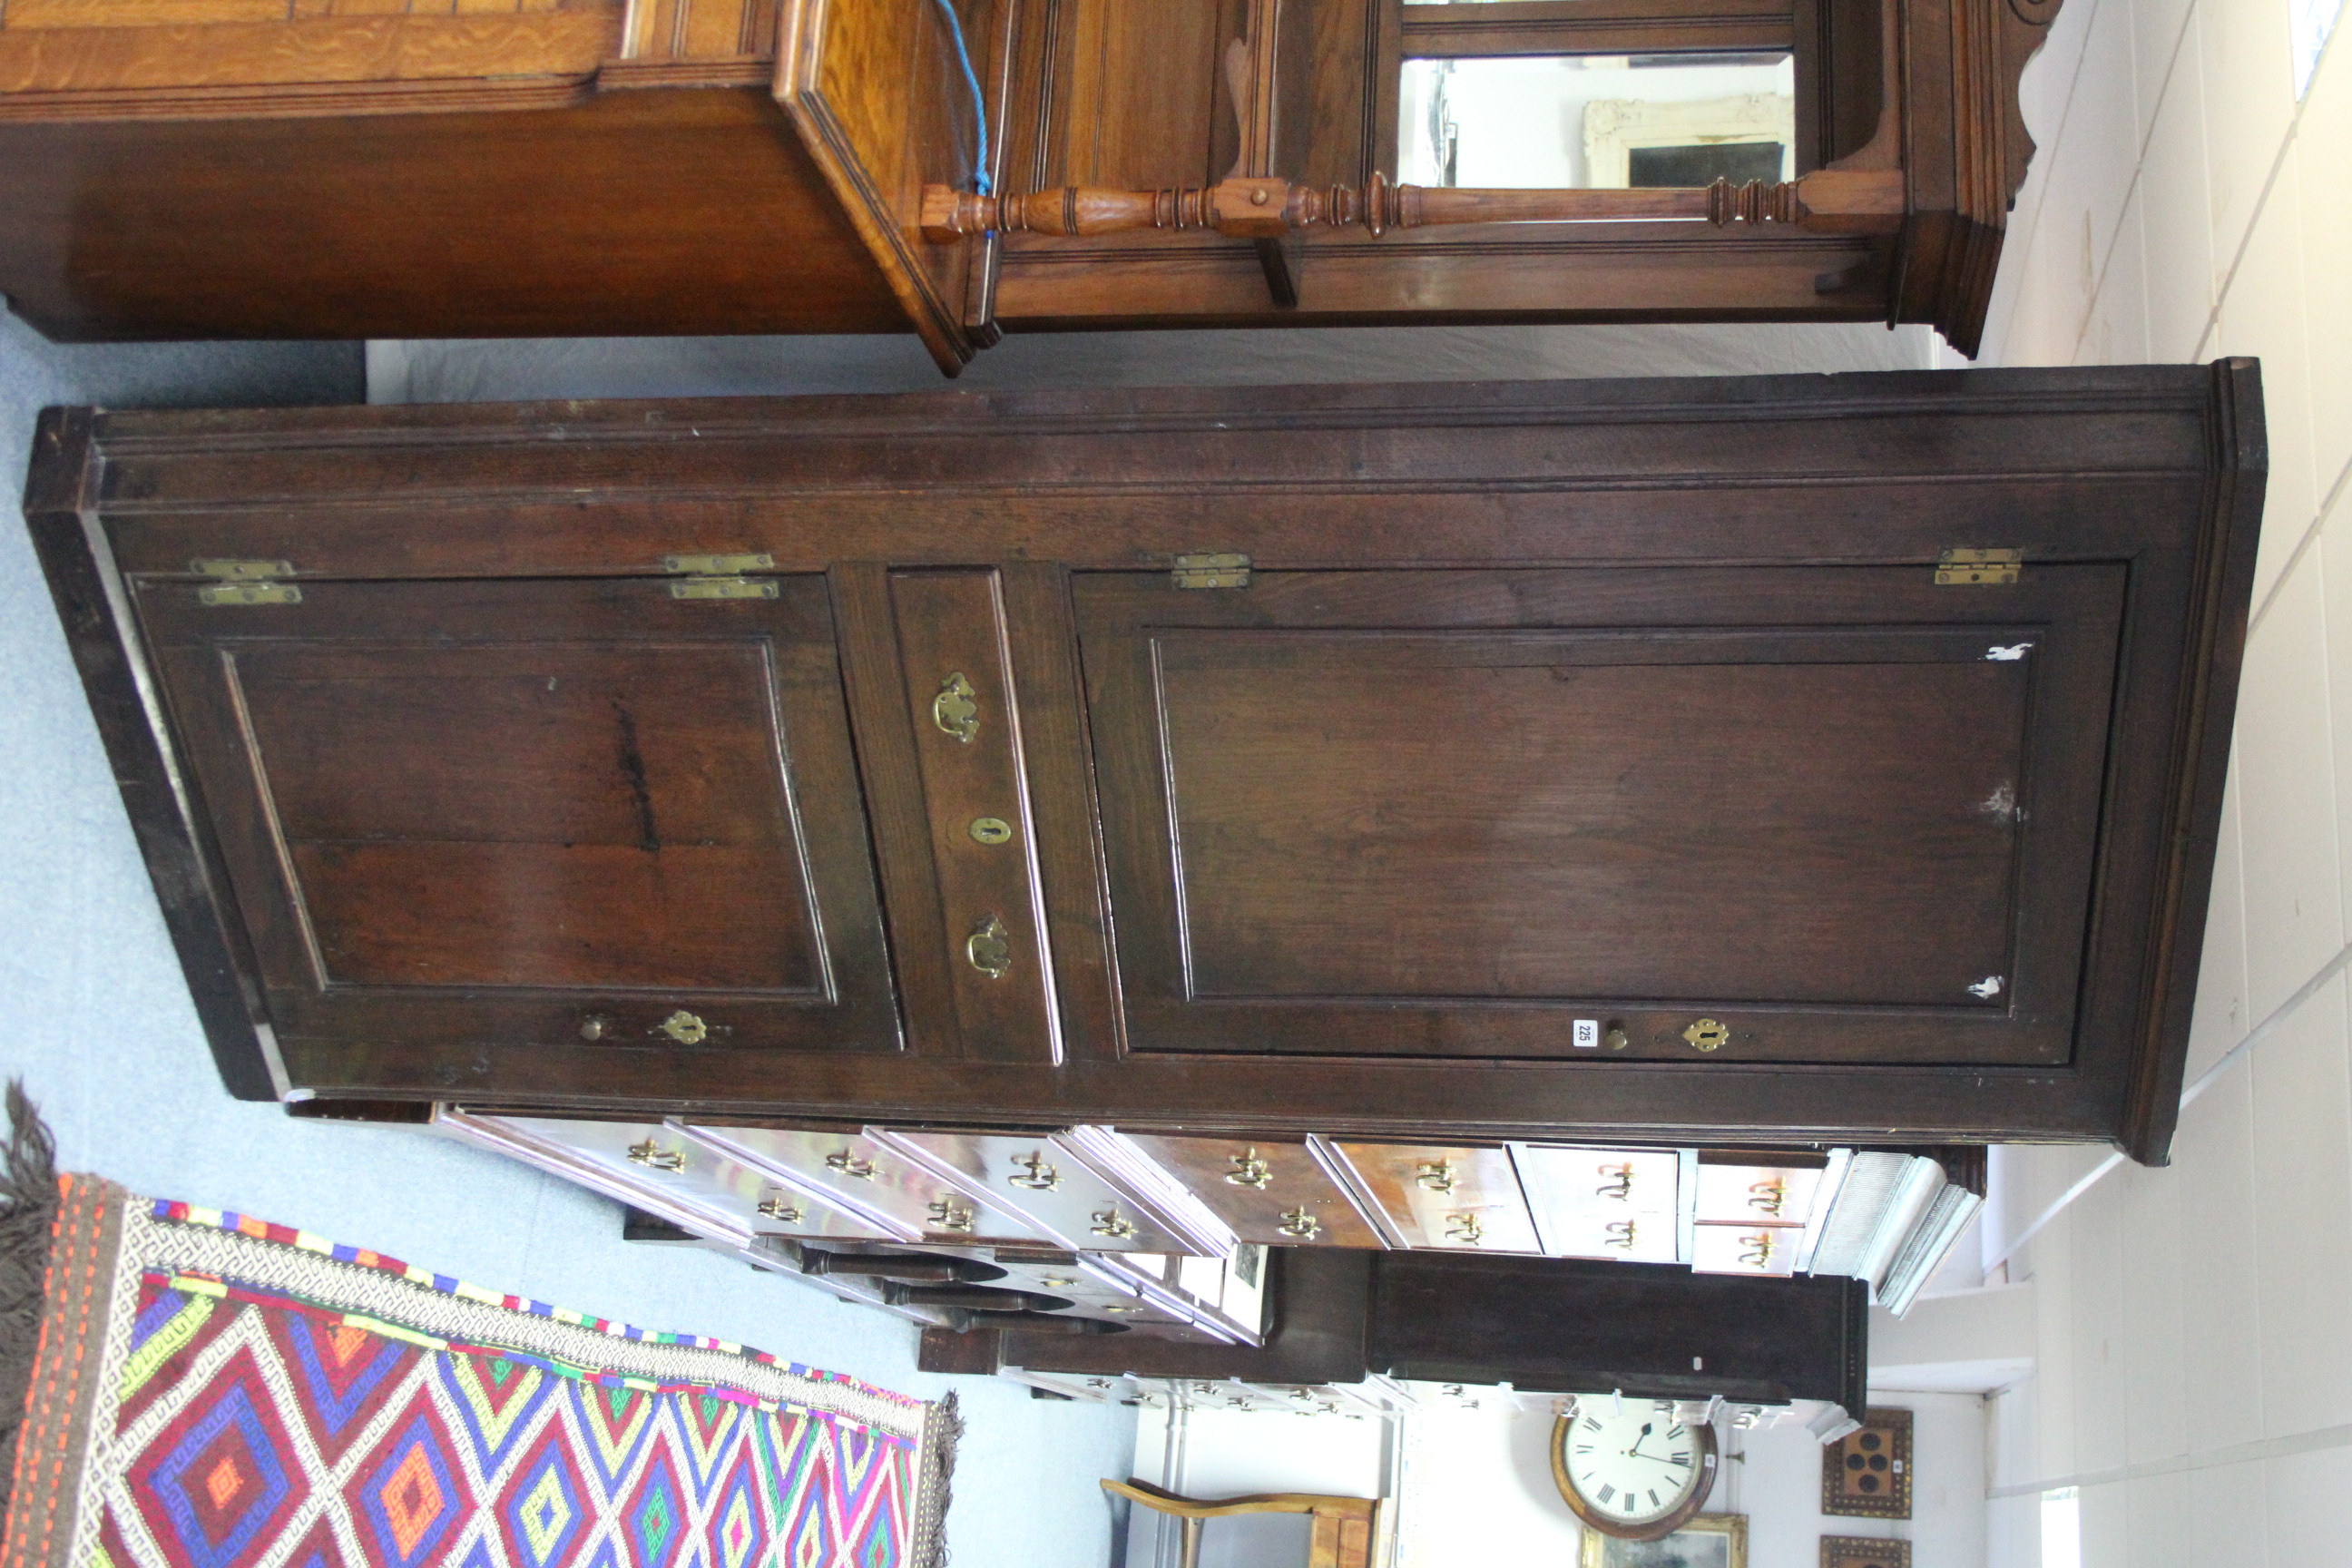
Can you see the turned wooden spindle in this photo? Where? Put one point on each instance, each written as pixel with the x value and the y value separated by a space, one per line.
pixel 1266 209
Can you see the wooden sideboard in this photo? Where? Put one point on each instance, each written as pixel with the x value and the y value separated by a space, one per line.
pixel 320 168
pixel 1766 761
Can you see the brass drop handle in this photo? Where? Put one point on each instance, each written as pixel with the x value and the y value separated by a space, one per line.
pixel 1299 1223
pixel 1110 1223
pixel 1039 1177
pixel 1437 1175
pixel 947 1215
pixel 850 1165
pixel 1249 1170
pixel 987 949
pixel 778 1207
pixel 653 1157
pixel 953 710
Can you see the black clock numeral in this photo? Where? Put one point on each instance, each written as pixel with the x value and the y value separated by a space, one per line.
pixel 1681 1458
pixel 1674 1431
pixel 1584 1447
pixel 1591 1424
pixel 1607 1492
pixel 1653 1500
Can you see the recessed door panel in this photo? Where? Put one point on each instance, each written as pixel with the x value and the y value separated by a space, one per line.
pixel 584 813
pixel 1788 813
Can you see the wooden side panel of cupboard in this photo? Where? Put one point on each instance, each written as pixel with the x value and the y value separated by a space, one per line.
pixel 582 817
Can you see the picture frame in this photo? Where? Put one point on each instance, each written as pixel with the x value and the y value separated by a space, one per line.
pixel 1709 1540
pixel 1856 1552
pixel 1867 1474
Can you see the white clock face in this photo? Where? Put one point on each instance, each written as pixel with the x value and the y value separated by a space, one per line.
pixel 1633 1463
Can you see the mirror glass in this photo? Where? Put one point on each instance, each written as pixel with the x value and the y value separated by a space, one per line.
pixel 1546 121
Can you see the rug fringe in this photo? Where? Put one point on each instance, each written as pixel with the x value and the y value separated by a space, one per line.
pixel 942 1430
pixel 29 1208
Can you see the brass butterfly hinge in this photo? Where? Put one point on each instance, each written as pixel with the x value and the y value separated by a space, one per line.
pixel 237 582
pixel 1977 568
pixel 721 576
pixel 1211 571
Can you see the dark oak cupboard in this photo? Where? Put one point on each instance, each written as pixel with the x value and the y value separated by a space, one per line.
pixel 1766 761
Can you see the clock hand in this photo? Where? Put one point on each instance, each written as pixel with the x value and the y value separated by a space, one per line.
pixel 1635 1451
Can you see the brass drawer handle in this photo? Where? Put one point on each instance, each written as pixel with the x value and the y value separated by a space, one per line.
pixel 1113 1223
pixel 988 950
pixel 1438 1175
pixel 778 1207
pixel 953 710
pixel 850 1165
pixel 1299 1223
pixel 653 1157
pixel 1249 1171
pixel 1040 1178
pixel 1465 1228
pixel 946 1216
pixel 1707 1034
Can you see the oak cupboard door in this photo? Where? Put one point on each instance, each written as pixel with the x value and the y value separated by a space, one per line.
pixel 576 814
pixel 1835 814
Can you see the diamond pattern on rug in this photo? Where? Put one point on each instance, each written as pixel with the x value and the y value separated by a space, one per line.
pixel 654 1521
pixel 412 1494
pixel 277 1402
pixel 222 1476
pixel 545 1511
pixel 496 1398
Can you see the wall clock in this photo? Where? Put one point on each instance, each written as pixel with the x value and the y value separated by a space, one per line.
pixel 1630 1467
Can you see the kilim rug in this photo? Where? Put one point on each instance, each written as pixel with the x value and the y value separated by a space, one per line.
pixel 211 1391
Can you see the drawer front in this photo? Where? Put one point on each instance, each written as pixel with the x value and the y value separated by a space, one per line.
pixel 1593 1202
pixel 1768 1250
pixel 900 1197
pixel 1757 1194
pixel 677 1177
pixel 1039 1183
pixel 1273 1192
pixel 1433 1195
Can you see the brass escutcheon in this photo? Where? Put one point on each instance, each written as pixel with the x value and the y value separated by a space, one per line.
pixel 988 950
pixel 990 830
pixel 653 1157
pixel 1249 1171
pixel 1299 1223
pixel 953 710
pixel 1707 1034
pixel 685 1028
pixel 1437 1175
pixel 850 1165
pixel 1039 1177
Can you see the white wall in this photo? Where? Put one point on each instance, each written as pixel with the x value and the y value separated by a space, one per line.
pixel 2194 1372
pixel 1476 1487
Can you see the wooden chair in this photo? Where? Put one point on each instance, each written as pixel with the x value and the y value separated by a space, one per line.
pixel 1343 1526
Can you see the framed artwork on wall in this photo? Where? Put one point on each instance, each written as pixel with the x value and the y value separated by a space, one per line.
pixel 1867 1473
pixel 1709 1540
pixel 1851 1552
